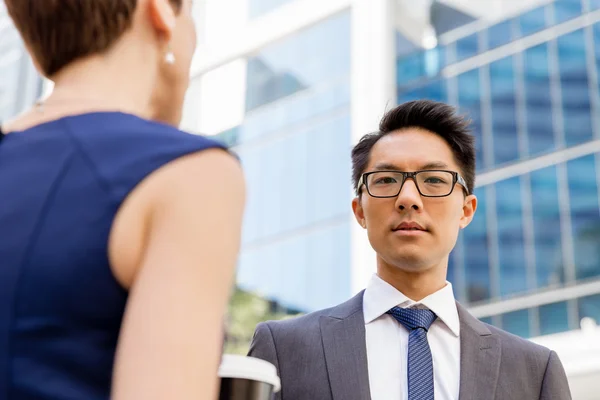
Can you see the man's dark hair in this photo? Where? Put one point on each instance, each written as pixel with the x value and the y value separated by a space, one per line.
pixel 439 118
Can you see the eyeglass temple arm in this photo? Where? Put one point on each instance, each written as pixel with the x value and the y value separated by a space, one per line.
pixel 461 181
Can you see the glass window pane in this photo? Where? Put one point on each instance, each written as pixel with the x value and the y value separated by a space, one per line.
pixel 452 265
pixel 336 161
pixel 467 47
pixel 500 34
pixel 513 270
pixel 259 7
pixel 251 269
pixel 341 286
pixel 409 68
pixel 268 266
pixel 266 85
pixel 566 9
pixel 546 228
pixel 504 113
pixel 250 159
pixel 435 90
pixel 589 306
pixel 554 318
pixel 469 101
pixel 320 263
pixel 486 320
pixel 456 270
pixel 574 87
pixel 475 239
pixel 404 45
pixel 328 169
pixel 533 21
pixel 596 31
pixel 271 160
pixel 295 183
pixel 517 323
pixel 294 110
pixel 451 274
pixel 299 62
pixel 435 60
pixel 594 4
pixel 293 286
pixel 538 100
pixel 585 216
pixel 419 65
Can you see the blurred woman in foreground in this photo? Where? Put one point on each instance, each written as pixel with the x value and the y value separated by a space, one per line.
pixel 119 233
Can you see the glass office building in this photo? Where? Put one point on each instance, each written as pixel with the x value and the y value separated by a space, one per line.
pixel 293 138
pixel 20 84
pixel 530 261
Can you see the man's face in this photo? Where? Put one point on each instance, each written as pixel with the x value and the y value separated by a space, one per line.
pixel 391 222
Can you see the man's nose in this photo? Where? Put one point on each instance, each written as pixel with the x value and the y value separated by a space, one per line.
pixel 409 196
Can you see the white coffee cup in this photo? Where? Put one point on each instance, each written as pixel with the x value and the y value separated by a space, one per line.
pixel 247 378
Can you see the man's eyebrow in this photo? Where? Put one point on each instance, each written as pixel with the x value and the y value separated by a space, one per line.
pixel 435 165
pixel 385 166
pixel 430 165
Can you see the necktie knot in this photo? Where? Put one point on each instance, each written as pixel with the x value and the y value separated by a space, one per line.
pixel 413 318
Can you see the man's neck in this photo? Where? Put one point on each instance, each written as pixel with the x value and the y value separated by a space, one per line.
pixel 414 285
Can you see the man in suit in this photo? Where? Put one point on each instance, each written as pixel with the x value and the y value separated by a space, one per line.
pixel 405 337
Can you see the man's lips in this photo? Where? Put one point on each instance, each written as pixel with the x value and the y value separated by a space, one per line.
pixel 409 226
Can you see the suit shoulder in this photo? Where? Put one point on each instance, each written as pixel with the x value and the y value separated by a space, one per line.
pixel 305 321
pixel 307 327
pixel 515 344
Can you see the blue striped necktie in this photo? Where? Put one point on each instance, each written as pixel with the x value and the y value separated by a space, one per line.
pixel 420 363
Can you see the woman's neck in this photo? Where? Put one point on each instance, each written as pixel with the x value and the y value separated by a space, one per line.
pixel 91 85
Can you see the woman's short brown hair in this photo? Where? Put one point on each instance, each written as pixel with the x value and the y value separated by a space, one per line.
pixel 58 32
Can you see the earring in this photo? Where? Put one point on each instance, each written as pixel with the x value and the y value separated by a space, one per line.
pixel 170 57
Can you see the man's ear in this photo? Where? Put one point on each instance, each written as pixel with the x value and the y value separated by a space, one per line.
pixel 468 210
pixel 358 211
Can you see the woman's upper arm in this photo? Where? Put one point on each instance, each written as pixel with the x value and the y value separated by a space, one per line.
pixel 170 341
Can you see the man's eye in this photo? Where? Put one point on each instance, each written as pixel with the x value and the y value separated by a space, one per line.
pixel 385 180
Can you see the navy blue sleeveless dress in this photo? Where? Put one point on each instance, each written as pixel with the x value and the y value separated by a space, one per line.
pixel 61 184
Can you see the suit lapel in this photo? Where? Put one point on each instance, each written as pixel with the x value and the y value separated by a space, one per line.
pixel 343 334
pixel 480 353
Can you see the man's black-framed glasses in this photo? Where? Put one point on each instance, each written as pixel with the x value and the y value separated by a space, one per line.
pixel 429 183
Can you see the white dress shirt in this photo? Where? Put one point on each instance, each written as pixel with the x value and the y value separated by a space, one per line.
pixel 387 341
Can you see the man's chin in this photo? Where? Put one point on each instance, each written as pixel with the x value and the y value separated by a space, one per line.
pixel 409 261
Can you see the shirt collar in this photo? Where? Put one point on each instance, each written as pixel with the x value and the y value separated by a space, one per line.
pixel 380 297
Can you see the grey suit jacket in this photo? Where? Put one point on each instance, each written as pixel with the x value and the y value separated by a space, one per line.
pixel 322 356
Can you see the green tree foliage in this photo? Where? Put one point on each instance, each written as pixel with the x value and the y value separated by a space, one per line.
pixel 246 310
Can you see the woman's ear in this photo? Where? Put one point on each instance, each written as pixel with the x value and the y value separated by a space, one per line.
pixel 162 16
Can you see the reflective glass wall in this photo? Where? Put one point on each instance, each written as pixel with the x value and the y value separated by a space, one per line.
pixel 530 86
pixel 287 115
pixel 260 7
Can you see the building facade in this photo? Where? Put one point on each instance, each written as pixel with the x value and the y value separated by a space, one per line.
pixel 530 85
pixel 293 105
pixel 286 111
